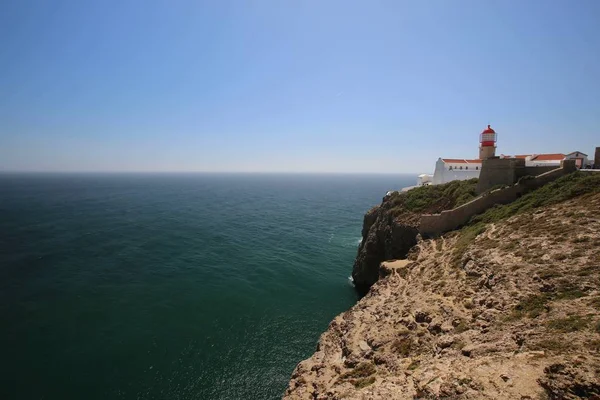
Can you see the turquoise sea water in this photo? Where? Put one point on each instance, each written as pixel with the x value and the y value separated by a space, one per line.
pixel 172 286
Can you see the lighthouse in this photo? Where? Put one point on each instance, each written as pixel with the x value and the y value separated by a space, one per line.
pixel 487 143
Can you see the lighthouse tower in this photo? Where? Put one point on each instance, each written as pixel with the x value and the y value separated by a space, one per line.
pixel 487 143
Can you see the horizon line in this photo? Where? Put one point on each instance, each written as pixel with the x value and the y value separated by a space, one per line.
pixel 212 172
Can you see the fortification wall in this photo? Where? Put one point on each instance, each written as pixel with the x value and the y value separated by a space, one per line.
pixel 547 177
pixel 433 225
pixel 499 171
pixel 535 171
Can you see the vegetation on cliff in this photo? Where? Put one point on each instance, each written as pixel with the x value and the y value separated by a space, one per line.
pixel 432 199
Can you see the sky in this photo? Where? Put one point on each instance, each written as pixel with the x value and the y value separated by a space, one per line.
pixel 292 86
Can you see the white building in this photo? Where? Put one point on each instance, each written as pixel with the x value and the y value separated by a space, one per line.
pixel 581 159
pixel 552 160
pixel 453 169
pixel 424 179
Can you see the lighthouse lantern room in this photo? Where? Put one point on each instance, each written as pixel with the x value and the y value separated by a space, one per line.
pixel 487 143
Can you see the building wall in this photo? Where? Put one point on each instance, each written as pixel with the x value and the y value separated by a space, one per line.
pixel 438 173
pixel 443 174
pixel 597 158
pixel 424 179
pixel 581 159
pixel 433 225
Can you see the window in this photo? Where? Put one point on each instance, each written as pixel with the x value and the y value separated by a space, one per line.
pixel 477 168
pixel 450 168
pixel 467 167
pixel 461 167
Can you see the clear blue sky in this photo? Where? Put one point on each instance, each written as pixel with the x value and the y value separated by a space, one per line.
pixel 348 86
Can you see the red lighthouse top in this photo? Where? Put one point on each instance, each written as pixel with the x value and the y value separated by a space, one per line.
pixel 488 137
pixel 488 130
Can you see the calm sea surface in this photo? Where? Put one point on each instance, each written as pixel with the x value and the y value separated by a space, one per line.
pixel 172 286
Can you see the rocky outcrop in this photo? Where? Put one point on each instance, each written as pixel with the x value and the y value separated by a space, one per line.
pixel 512 313
pixel 390 229
pixel 384 237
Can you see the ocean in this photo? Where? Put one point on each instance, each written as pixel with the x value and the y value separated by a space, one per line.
pixel 172 286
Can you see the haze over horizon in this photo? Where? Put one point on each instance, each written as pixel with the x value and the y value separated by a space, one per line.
pixel 375 87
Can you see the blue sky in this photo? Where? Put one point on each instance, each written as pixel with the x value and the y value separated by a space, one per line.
pixel 302 86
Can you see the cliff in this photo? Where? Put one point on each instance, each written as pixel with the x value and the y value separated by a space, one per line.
pixel 506 308
pixel 390 229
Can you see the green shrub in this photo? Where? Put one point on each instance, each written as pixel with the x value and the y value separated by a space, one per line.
pixel 573 323
pixel 434 198
pixel 364 382
pixel 568 291
pixel 414 364
pixel 532 307
pixel 402 346
pixel 552 345
pixel 362 370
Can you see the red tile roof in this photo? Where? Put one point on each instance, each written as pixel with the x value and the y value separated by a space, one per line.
pixel 460 161
pixel 548 157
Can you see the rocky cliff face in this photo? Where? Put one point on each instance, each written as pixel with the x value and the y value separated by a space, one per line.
pixel 510 310
pixel 384 237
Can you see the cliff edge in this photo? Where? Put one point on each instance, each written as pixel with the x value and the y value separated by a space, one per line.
pixel 506 308
pixel 390 229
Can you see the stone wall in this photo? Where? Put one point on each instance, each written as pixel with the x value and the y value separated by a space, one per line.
pixel 434 225
pixel 535 171
pixel 499 171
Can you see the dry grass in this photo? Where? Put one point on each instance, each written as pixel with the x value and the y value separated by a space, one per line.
pixel 588 270
pixel 364 382
pixel 402 346
pixel 362 370
pixel 414 364
pixel 462 326
pixel 594 345
pixel 595 302
pixel 552 345
pixel 532 306
pixel 361 376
